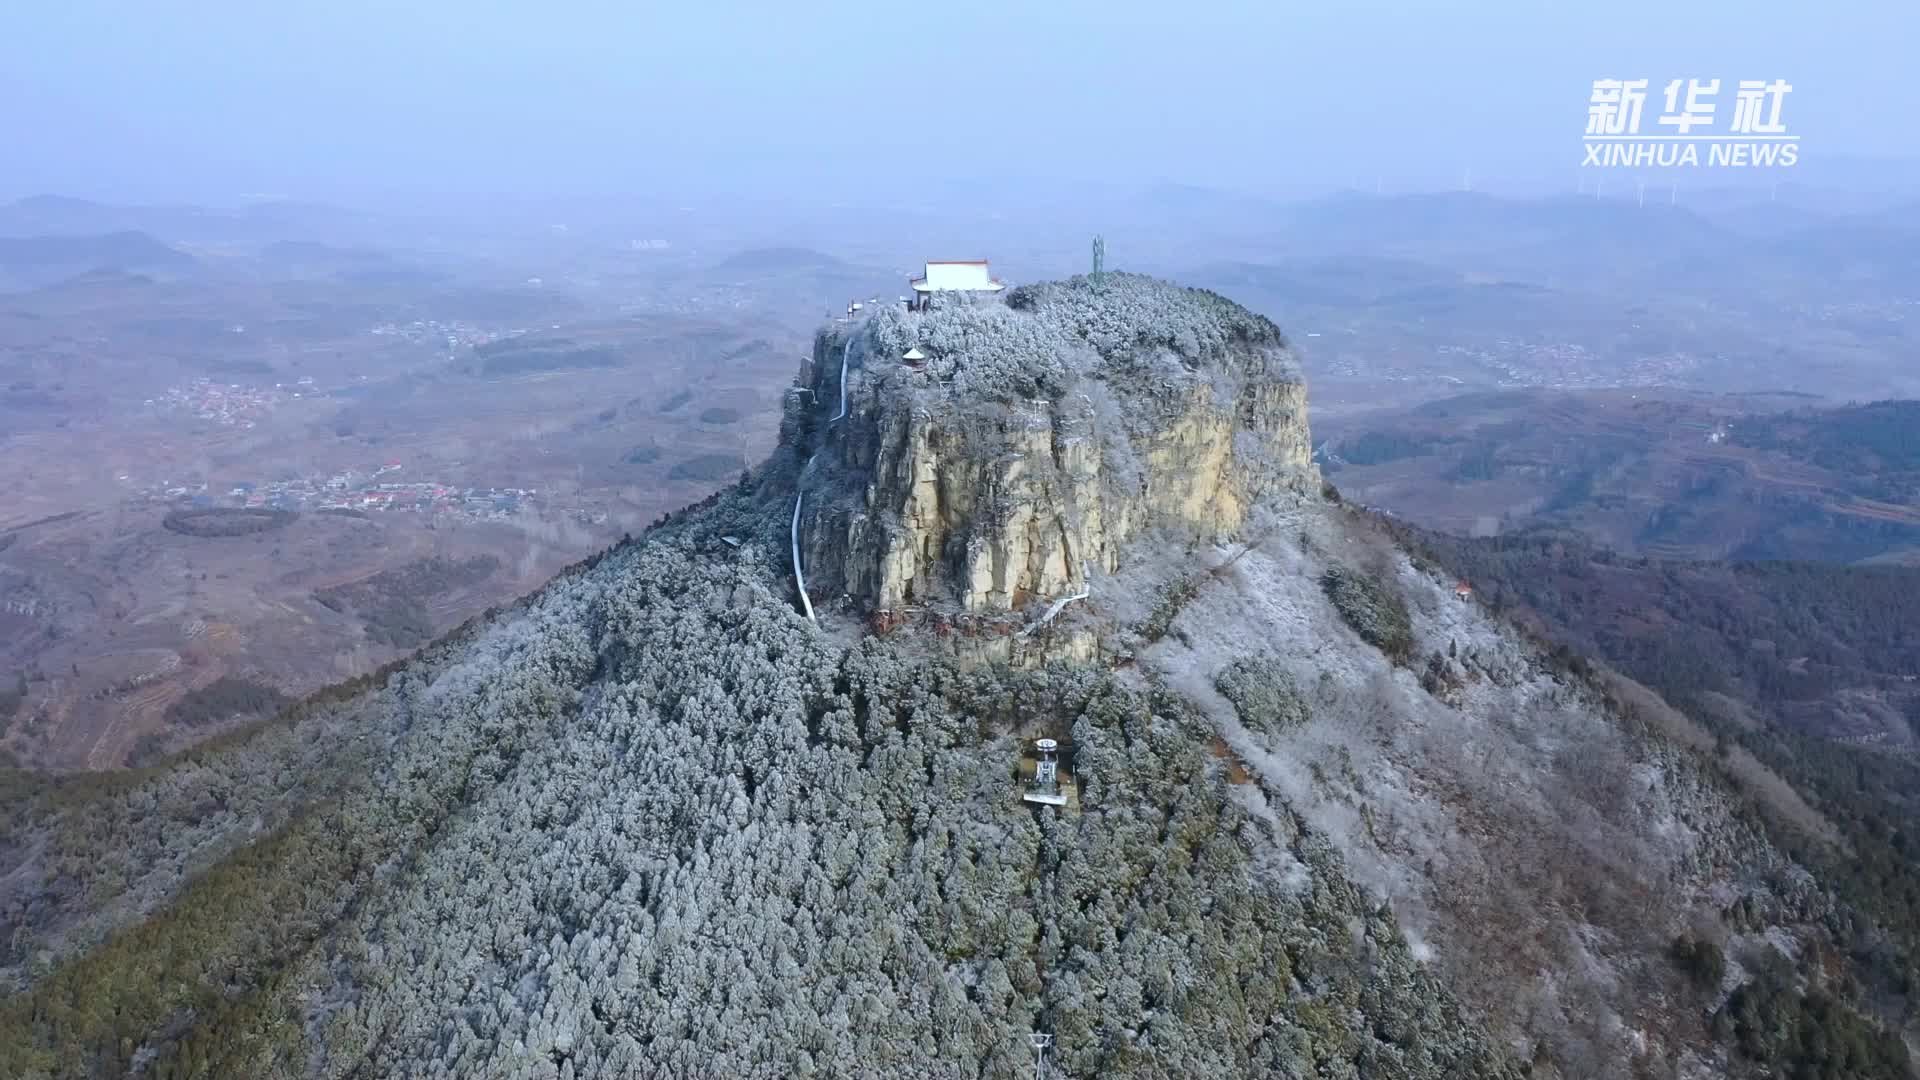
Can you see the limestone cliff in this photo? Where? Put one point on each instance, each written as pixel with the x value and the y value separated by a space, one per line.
pixel 981 456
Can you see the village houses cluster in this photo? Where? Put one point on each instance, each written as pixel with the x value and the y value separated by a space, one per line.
pixel 374 490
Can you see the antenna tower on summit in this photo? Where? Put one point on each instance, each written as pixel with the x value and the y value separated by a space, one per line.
pixel 1099 257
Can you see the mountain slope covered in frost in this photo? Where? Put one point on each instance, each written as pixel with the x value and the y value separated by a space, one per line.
pixel 657 821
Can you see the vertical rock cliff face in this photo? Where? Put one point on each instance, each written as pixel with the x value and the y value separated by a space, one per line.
pixel 1027 440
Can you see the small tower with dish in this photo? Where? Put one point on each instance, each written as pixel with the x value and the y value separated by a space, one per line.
pixel 1043 781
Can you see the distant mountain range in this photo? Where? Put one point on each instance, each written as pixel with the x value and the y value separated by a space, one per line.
pixel 252 224
pixel 1476 290
pixel 1673 476
pixel 124 250
pixel 1594 244
pixel 33 261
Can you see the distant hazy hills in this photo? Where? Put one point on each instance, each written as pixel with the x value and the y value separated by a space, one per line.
pixel 61 214
pixel 38 261
pixel 1371 288
pixel 1466 224
pixel 31 261
pixel 1330 279
pixel 799 284
pixel 797 270
pixel 1469 289
pixel 774 260
pixel 135 250
pixel 1691 477
pixel 57 215
pixel 1584 243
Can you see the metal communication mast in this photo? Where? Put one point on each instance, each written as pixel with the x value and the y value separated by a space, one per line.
pixel 1099 257
pixel 1040 1041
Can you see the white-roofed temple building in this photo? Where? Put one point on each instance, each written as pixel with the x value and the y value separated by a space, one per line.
pixel 953 275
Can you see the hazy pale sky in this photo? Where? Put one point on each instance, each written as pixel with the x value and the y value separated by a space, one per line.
pixel 212 99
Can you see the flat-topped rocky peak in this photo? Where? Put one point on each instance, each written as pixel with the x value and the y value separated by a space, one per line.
pixel 985 454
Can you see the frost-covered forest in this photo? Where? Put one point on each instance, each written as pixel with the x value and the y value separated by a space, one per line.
pixel 1332 821
pixel 1138 332
pixel 655 825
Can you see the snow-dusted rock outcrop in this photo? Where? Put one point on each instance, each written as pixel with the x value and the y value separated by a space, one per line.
pixel 1028 440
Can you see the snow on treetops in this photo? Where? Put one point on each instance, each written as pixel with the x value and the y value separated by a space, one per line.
pixel 1036 340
